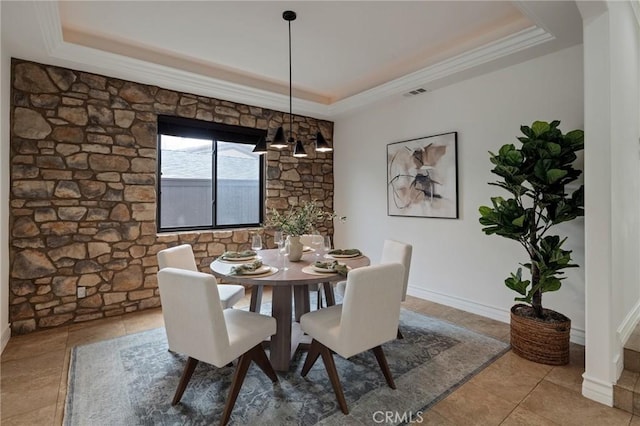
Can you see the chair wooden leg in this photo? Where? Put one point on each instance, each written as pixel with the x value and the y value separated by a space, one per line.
pixel 236 384
pixel 184 379
pixel 259 356
pixel 399 336
pixel 330 365
pixel 319 304
pixel 312 355
pixel 382 362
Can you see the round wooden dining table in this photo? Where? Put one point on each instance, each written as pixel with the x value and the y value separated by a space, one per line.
pixel 285 283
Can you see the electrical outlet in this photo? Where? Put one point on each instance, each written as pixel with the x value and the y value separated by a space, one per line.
pixel 82 292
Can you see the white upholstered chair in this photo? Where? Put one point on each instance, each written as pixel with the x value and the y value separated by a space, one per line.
pixel 182 257
pixel 368 317
pixel 198 327
pixel 392 252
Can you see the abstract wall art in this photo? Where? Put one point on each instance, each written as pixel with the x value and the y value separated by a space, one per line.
pixel 422 177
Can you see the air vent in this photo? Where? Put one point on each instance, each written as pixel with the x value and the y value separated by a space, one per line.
pixel 415 92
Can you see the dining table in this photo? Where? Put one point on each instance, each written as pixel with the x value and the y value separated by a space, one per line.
pixel 287 283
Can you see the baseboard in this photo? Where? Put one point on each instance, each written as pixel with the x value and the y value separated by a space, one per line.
pixel 498 314
pixel 597 390
pixel 467 305
pixel 4 339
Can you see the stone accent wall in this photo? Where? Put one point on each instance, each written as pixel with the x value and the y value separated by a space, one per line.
pixel 83 190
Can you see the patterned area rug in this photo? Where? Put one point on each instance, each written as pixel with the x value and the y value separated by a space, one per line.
pixel 131 380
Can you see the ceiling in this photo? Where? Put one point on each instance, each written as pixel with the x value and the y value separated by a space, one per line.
pixel 345 55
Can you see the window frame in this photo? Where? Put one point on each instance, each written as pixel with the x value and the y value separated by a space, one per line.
pixel 216 132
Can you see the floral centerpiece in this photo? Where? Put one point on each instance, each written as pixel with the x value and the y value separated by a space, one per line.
pixel 298 221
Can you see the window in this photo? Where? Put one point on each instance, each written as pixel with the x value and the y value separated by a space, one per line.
pixel 209 177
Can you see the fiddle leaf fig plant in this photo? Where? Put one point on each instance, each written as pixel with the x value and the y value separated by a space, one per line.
pixel 536 175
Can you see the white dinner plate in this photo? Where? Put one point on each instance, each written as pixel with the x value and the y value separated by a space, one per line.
pixel 261 270
pixel 238 259
pixel 344 256
pixel 328 271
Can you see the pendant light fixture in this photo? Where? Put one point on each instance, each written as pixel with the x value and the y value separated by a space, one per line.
pixel 290 15
pixel 261 146
pixel 279 140
pixel 321 144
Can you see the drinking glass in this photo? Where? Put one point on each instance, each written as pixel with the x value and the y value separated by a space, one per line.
pixel 316 244
pixel 284 249
pixel 327 244
pixel 278 238
pixel 256 243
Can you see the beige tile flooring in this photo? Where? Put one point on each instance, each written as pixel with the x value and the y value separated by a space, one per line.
pixel 511 391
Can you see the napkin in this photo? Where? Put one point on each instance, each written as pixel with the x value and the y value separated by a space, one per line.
pixel 346 252
pixel 236 254
pixel 333 266
pixel 245 267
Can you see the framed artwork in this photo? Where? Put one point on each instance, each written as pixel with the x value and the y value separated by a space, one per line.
pixel 422 177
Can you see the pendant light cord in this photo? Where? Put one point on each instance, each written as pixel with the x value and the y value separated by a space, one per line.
pixel 290 91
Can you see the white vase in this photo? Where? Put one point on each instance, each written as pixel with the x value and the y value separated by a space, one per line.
pixel 295 248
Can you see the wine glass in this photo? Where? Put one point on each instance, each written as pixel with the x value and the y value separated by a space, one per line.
pixel 316 243
pixel 284 249
pixel 256 243
pixel 278 238
pixel 327 244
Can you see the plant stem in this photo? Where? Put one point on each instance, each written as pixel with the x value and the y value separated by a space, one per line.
pixel 536 300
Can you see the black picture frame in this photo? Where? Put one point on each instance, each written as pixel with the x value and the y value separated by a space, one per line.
pixel 422 177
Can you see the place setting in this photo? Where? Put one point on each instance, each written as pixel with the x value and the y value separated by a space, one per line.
pixel 326 268
pixel 253 269
pixel 248 262
pixel 238 256
pixel 350 253
pixel 244 255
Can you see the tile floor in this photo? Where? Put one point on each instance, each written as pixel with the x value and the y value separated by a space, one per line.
pixel 511 391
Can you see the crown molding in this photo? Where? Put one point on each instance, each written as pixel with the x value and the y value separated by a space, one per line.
pixel 49 21
pixel 516 42
pixel 119 66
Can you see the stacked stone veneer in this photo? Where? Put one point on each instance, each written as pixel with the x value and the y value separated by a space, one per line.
pixel 83 191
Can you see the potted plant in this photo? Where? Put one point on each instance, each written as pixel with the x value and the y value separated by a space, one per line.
pixel 536 175
pixel 296 222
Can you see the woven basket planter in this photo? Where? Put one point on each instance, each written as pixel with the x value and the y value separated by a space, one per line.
pixel 545 342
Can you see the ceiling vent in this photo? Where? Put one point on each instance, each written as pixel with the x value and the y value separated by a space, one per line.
pixel 415 92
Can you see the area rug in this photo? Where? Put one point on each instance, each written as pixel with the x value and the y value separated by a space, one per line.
pixel 131 380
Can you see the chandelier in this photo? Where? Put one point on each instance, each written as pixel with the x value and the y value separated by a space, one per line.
pixel 279 140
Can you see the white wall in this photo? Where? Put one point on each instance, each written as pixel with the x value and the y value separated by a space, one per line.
pixel 453 261
pixel 625 165
pixel 612 231
pixel 5 71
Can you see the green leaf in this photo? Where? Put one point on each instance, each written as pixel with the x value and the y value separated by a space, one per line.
pixel 484 210
pixel 554 149
pixel 505 149
pixel 575 136
pixel 551 284
pixel 554 175
pixel 515 283
pixel 540 127
pixel 518 221
pixel 527 131
pixel 514 158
